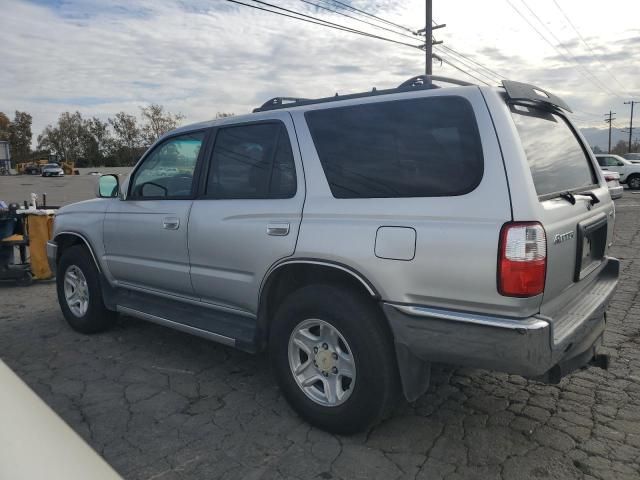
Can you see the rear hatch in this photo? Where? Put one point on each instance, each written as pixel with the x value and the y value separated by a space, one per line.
pixel 576 211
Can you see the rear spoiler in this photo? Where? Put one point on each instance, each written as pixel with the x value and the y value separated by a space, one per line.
pixel 526 94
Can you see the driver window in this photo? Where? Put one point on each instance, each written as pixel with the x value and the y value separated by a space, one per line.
pixel 168 171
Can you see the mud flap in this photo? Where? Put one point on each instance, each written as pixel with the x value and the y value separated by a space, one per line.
pixel 414 372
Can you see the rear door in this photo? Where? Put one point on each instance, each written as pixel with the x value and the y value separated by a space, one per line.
pixel 249 211
pixel 575 208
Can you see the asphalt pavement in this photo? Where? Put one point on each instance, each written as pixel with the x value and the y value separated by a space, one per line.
pixel 160 404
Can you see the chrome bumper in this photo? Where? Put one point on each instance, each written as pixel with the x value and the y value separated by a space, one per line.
pixel 532 347
pixel 52 254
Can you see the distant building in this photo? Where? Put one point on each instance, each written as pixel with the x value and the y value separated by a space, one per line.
pixel 5 158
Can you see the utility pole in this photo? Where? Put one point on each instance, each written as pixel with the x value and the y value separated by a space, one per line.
pixel 429 40
pixel 632 103
pixel 609 121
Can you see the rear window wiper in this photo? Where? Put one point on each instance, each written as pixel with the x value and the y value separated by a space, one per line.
pixel 568 196
pixel 594 198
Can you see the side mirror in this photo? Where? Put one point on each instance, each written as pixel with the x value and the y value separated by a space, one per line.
pixel 108 186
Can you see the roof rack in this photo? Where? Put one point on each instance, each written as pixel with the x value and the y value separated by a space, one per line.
pixel 526 94
pixel 420 82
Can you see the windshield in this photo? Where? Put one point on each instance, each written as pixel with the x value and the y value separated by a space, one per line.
pixel 557 160
pixel 51 165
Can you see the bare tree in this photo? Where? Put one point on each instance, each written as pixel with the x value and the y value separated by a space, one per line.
pixel 157 122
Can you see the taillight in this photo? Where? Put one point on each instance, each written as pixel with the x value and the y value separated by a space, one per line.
pixel 522 261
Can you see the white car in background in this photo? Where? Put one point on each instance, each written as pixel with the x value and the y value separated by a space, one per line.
pixel 629 171
pixel 52 170
pixel 613 182
pixel 632 157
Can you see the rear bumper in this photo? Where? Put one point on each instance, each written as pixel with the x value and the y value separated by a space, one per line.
pixel 616 192
pixel 535 347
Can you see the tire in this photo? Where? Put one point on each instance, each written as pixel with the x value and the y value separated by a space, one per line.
pixel 89 317
pixel 634 182
pixel 371 394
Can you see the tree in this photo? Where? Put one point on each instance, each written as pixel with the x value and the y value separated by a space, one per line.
pixel 620 148
pixel 596 149
pixel 128 139
pixel 4 126
pixel 64 139
pixel 20 136
pixel 224 114
pixel 95 143
pixel 157 122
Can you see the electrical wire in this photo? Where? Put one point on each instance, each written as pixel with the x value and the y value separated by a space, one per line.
pixel 593 53
pixel 345 5
pixel 314 20
pixel 470 67
pixel 357 19
pixel 318 21
pixel 586 73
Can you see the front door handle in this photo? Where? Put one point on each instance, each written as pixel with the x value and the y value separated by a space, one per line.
pixel 278 229
pixel 171 223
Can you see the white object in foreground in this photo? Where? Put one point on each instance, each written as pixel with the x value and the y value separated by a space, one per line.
pixel 36 443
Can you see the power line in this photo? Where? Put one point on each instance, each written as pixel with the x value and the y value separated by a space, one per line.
pixel 470 67
pixel 345 5
pixel 587 44
pixel 492 72
pixel 592 79
pixel 451 64
pixel 318 21
pixel 357 19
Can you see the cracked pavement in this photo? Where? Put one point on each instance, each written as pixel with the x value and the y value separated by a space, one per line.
pixel 160 404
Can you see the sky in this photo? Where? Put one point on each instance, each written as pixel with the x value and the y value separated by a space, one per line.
pixel 199 57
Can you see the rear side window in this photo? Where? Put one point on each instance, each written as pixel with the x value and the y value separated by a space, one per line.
pixel 426 147
pixel 557 160
pixel 252 161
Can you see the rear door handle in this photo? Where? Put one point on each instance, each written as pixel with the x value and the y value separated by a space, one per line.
pixel 278 229
pixel 171 223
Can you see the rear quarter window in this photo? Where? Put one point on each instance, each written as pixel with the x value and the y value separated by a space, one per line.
pixel 557 159
pixel 421 147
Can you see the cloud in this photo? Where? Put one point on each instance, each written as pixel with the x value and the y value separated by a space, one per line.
pixel 199 57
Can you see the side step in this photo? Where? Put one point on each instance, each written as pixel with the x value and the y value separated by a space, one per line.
pixel 222 326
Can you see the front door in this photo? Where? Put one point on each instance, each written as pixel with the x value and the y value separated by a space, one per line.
pixel 146 233
pixel 248 215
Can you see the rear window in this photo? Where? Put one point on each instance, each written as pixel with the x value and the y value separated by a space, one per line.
pixel 557 160
pixel 424 147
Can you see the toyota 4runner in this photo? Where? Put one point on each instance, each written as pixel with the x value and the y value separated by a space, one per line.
pixel 359 239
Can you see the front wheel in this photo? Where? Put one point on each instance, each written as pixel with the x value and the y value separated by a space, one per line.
pixel 79 292
pixel 634 182
pixel 333 357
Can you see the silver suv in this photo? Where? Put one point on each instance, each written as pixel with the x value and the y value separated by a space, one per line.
pixel 359 239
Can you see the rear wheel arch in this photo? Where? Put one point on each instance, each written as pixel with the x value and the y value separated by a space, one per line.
pixel 288 277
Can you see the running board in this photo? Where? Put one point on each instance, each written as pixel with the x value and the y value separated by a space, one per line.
pixel 177 326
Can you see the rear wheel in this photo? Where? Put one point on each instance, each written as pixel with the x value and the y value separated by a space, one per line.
pixel 332 355
pixel 79 292
pixel 634 182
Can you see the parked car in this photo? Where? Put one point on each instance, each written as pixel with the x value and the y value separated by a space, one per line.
pixel 52 170
pixel 358 239
pixel 629 171
pixel 613 183
pixel 632 157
